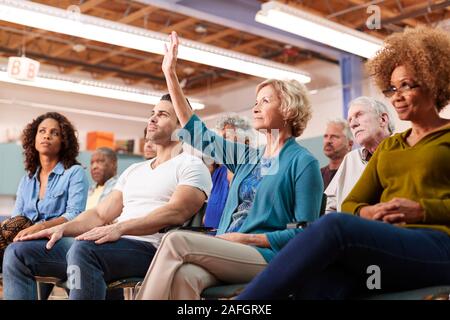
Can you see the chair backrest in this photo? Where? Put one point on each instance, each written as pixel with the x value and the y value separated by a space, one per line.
pixel 197 219
pixel 323 205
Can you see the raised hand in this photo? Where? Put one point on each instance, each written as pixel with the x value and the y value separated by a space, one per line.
pixel 170 54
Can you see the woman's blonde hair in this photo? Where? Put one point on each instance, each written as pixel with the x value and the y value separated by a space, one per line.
pixel 423 50
pixel 295 103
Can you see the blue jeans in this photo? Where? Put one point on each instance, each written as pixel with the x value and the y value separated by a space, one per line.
pixel 330 260
pixel 88 266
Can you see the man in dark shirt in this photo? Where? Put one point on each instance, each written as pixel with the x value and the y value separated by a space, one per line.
pixel 337 142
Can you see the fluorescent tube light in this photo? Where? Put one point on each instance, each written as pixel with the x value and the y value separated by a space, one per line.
pixel 109 115
pixel 316 28
pixel 79 25
pixel 94 88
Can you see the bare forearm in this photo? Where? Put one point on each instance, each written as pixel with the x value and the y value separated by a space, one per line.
pixel 53 222
pixel 84 222
pixel 182 109
pixel 153 222
pixel 258 240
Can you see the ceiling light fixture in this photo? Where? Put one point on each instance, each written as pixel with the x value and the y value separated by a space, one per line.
pixel 79 25
pixel 75 110
pixel 91 87
pixel 316 28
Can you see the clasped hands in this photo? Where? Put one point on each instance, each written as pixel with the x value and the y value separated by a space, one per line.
pixel 396 211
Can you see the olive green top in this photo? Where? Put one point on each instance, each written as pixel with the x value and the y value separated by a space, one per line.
pixel 420 173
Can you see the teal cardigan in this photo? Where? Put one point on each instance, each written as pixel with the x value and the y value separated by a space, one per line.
pixel 292 191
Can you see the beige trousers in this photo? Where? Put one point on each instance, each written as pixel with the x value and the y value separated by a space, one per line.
pixel 188 262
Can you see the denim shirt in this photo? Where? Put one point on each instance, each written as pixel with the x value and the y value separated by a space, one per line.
pixel 65 196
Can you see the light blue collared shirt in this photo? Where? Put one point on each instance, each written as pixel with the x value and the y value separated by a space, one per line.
pixel 65 196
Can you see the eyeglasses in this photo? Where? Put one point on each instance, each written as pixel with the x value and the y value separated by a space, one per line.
pixel 405 87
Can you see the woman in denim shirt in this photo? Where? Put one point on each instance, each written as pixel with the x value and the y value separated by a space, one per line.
pixel 55 188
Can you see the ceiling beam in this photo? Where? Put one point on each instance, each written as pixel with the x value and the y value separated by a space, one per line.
pixel 386 12
pixel 132 66
pixel 249 44
pixel 409 12
pixel 184 23
pixel 88 5
pixel 218 35
pixel 138 14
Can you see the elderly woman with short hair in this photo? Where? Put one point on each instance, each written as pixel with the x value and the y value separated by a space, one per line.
pixel 234 128
pixel 272 186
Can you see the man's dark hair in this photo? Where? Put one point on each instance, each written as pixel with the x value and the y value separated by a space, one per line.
pixel 167 97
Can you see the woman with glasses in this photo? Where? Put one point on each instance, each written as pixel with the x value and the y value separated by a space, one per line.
pixel 397 236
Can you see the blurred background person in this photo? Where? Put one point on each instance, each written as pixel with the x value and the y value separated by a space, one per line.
pixel 337 142
pixel 370 123
pixel 104 174
pixel 237 129
pixel 149 147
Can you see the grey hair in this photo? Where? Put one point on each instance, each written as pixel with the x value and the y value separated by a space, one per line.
pixel 241 125
pixel 377 107
pixel 107 152
pixel 345 127
pixel 234 120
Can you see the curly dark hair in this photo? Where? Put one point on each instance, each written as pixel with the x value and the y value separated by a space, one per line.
pixel 69 142
pixel 423 50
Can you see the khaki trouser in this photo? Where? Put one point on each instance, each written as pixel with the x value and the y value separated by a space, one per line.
pixel 188 262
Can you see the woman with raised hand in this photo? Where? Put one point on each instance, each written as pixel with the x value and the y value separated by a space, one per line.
pixel 399 229
pixel 272 186
pixel 55 188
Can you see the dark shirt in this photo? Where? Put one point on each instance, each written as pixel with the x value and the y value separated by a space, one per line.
pixel 366 155
pixel 218 197
pixel 327 175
